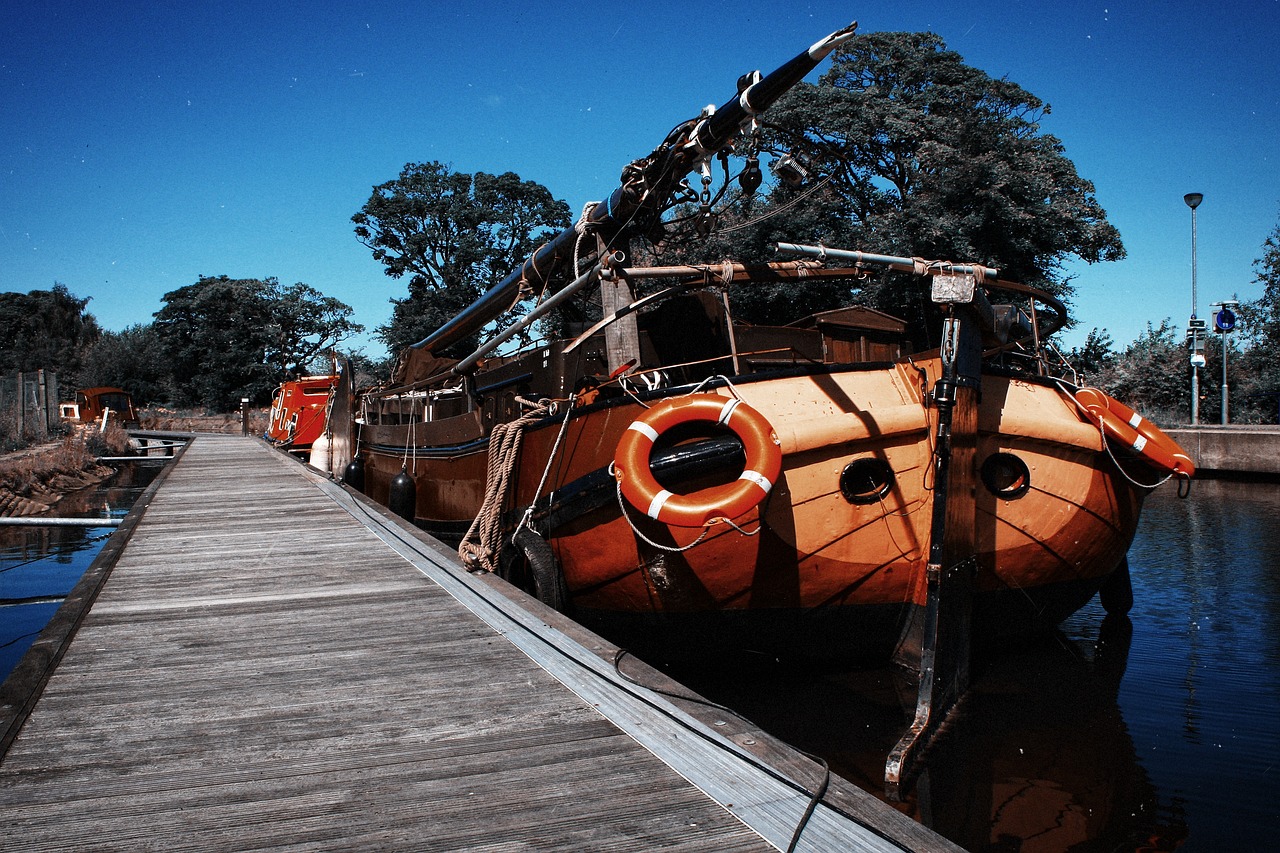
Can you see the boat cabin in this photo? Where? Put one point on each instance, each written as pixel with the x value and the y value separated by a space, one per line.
pixel 681 340
pixel 92 404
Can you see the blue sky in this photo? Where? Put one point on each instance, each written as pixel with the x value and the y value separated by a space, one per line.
pixel 145 144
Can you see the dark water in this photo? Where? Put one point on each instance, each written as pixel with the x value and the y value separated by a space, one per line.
pixel 1156 732
pixel 40 565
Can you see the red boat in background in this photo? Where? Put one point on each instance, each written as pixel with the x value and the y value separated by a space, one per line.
pixel 299 409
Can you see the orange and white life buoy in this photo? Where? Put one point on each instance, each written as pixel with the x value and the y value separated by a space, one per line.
pixel 1129 429
pixel 636 481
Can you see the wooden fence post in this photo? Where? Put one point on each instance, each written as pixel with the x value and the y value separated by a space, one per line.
pixel 21 408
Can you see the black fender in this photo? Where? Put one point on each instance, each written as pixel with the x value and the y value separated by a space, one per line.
pixel 548 580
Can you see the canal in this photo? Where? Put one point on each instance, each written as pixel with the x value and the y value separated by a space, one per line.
pixel 40 565
pixel 1156 732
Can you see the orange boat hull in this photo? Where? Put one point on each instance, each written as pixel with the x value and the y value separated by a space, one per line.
pixel 812 562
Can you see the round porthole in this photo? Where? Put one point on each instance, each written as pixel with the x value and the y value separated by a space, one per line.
pixel 1006 476
pixel 866 481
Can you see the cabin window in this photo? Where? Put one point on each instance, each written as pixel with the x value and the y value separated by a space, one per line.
pixel 866 481
pixel 1006 476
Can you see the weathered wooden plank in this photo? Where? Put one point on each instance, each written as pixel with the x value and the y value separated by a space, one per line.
pixel 224 692
pixel 771 800
pixel 263 672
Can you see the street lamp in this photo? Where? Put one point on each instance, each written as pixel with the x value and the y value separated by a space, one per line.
pixel 1224 321
pixel 1193 328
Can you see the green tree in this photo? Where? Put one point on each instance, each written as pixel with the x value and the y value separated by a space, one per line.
pixel 224 339
pixel 1258 384
pixel 132 359
pixel 1152 375
pixel 305 325
pixel 454 235
pixel 1095 356
pixel 920 155
pixel 46 329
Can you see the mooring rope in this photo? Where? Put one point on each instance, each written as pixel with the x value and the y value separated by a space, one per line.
pixel 479 548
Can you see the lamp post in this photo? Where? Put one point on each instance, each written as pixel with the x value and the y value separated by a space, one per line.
pixel 1224 321
pixel 1193 328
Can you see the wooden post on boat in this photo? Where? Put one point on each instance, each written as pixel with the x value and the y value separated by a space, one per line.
pixel 343 431
pixel 936 642
pixel 622 339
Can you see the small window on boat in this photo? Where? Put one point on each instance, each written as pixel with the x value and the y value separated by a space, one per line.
pixel 866 481
pixel 1006 476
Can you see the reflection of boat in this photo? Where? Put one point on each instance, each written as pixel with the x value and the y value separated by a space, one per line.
pixel 92 404
pixel 1039 758
pixel 1043 727
pixel 298 411
pixel 682 482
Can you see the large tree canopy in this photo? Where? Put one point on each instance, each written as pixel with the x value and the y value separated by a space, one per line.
pixel 921 155
pixel 454 235
pixel 229 338
pixel 45 329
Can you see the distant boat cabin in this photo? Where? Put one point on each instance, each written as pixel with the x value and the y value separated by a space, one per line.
pixel 91 404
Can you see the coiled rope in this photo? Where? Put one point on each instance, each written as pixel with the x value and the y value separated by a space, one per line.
pixel 480 546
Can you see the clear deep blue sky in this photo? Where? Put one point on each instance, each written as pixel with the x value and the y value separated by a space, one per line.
pixel 145 144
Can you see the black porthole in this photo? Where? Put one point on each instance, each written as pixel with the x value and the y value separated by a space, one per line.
pixel 1006 476
pixel 866 481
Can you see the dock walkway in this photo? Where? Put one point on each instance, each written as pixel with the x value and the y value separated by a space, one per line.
pixel 274 663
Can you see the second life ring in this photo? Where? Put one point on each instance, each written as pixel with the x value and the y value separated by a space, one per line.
pixel 1126 427
pixel 638 485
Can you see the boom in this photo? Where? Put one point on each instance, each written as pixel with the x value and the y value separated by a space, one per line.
pixel 647 184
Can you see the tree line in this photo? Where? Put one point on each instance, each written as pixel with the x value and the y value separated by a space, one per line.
pixel 211 344
pixel 1153 373
pixel 900 149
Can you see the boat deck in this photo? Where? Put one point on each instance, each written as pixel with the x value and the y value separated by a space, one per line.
pixel 262 660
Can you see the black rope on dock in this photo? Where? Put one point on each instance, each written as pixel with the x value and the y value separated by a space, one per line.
pixel 814 797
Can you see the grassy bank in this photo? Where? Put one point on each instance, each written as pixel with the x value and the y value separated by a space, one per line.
pixel 179 420
pixel 33 479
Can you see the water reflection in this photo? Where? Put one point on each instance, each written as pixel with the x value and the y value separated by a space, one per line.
pixel 39 566
pixel 1041 757
pixel 1200 699
pixel 1154 732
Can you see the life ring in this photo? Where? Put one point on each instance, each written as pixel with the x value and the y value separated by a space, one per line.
pixel 636 480
pixel 1129 429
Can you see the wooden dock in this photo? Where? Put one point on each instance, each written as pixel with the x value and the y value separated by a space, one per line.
pixel 263 660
